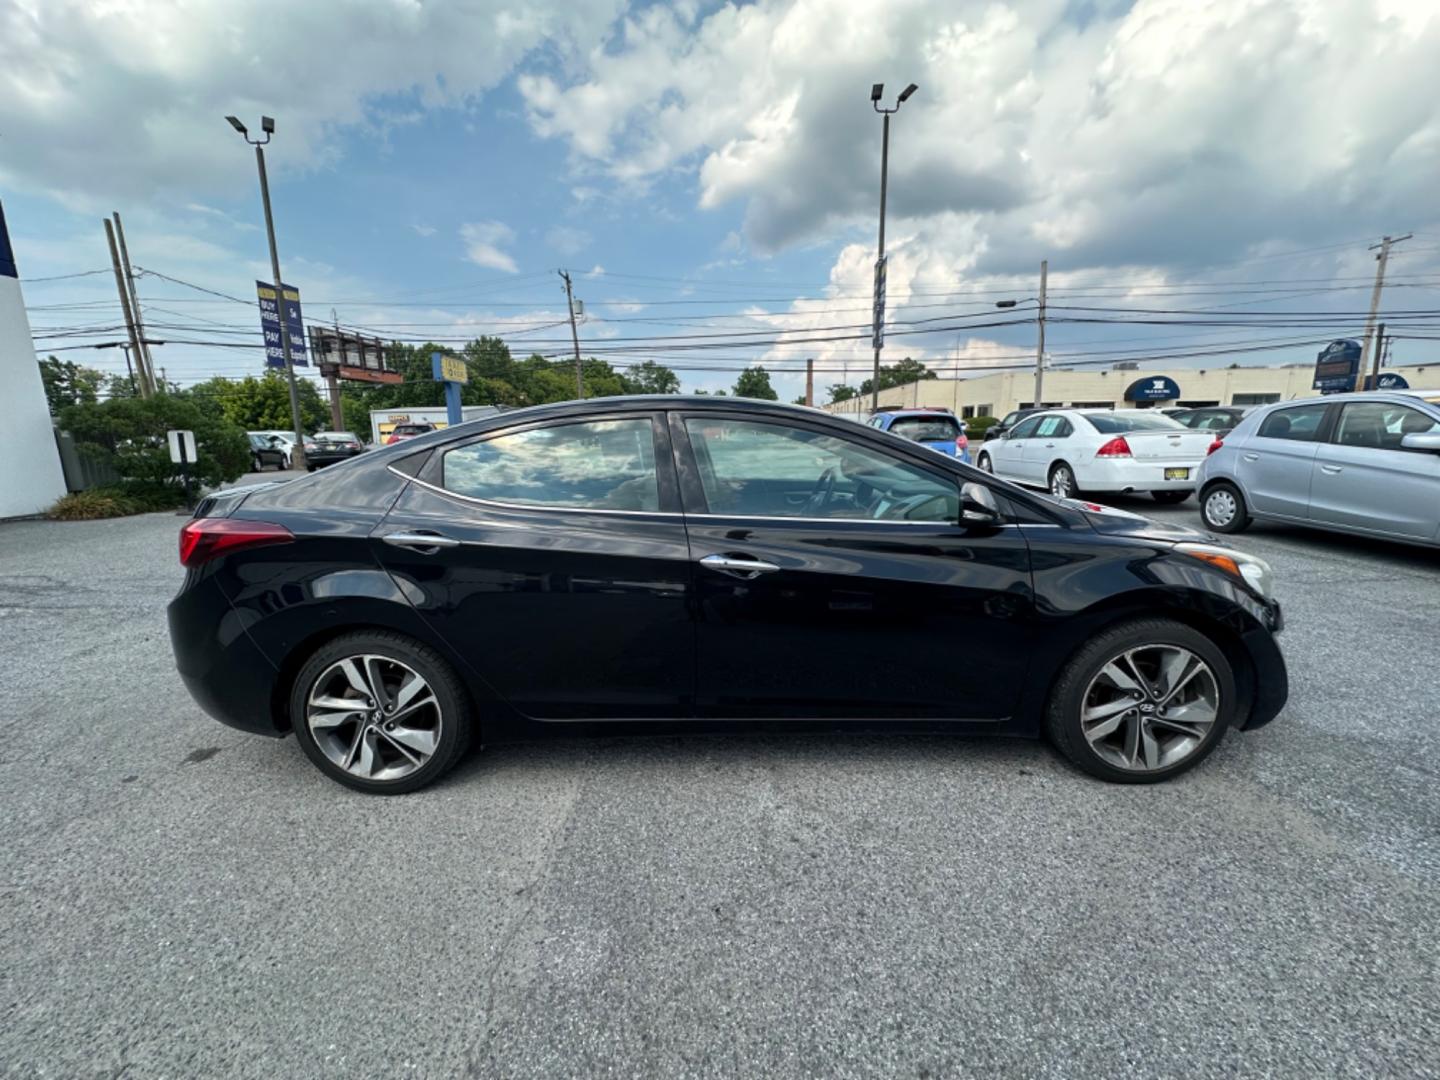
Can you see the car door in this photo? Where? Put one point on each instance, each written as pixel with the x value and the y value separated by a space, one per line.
pixel 1007 453
pixel 1052 436
pixel 1365 480
pixel 1276 462
pixel 870 600
pixel 553 557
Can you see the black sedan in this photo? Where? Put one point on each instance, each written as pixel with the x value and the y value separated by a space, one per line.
pixel 653 563
pixel 328 447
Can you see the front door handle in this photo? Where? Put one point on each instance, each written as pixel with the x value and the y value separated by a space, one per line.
pixel 1331 469
pixel 426 543
pixel 748 569
pixel 1251 457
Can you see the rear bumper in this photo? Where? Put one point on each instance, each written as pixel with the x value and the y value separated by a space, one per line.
pixel 219 664
pixel 1123 475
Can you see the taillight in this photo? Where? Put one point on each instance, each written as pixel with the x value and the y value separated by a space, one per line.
pixel 392 440
pixel 1214 446
pixel 207 538
pixel 1116 447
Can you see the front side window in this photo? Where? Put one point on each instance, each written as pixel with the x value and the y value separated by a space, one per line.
pixel 1027 428
pixel 596 465
pixel 1381 425
pixel 1301 424
pixel 756 469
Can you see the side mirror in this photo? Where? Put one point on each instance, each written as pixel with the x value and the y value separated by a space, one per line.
pixel 1422 440
pixel 978 505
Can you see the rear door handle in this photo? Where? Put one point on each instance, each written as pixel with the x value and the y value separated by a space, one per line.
pixel 748 569
pixel 1251 457
pixel 1331 469
pixel 425 543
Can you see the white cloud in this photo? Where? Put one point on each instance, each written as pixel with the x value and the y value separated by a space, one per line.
pixel 595 271
pixel 483 240
pixel 424 230
pixel 567 240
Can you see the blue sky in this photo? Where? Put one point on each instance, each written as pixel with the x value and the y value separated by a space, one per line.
pixel 718 163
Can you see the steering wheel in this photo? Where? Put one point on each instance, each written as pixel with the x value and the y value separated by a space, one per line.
pixel 821 493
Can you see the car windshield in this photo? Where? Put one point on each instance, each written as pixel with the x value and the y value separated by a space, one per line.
pixel 1121 421
pixel 927 428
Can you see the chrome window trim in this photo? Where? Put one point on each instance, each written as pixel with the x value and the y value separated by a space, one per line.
pixel 532 506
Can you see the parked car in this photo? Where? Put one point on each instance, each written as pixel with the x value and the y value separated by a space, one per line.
pixel 937 428
pixel 401 432
pixel 1097 450
pixel 664 563
pixel 1216 419
pixel 284 439
pixel 327 447
pixel 267 450
pixel 1365 463
pixel 1006 422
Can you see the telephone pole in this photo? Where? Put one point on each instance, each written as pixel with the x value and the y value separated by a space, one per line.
pixel 145 360
pixel 574 336
pixel 1040 343
pixel 810 382
pixel 1380 261
pixel 145 388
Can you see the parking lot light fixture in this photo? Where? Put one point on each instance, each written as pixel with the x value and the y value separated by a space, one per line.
pixel 877 91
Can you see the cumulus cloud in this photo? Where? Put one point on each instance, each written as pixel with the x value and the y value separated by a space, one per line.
pixel 567 240
pixel 483 244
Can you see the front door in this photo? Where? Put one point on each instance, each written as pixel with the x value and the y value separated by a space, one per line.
pixel 1276 462
pixel 834 581
pixel 560 569
pixel 1007 454
pixel 1364 479
pixel 1051 438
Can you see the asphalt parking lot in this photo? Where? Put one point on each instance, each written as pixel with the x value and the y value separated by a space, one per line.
pixel 179 899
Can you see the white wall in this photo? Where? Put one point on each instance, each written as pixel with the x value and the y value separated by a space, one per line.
pixel 30 476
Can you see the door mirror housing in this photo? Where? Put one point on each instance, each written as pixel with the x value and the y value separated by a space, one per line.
pixel 978 505
pixel 1422 440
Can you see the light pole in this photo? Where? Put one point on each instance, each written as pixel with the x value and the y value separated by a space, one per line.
pixel 1039 302
pixel 129 368
pixel 876 92
pixel 297 455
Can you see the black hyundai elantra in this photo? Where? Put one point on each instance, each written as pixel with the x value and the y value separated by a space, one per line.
pixel 647 563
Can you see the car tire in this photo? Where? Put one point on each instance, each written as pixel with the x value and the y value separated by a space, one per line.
pixel 1062 475
pixel 309 468
pixel 1161 751
pixel 983 463
pixel 256 465
pixel 1170 498
pixel 1222 508
pixel 374 744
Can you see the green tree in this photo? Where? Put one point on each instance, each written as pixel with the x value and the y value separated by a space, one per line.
pixel 262 404
pixel 898 374
pixel 130 434
pixel 69 383
pixel 653 378
pixel 841 392
pixel 754 382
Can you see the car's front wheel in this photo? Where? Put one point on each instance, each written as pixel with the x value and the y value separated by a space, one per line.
pixel 1142 702
pixel 380 712
pixel 1222 508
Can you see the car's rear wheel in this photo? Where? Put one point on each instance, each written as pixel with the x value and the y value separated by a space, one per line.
pixel 380 712
pixel 1062 482
pixel 1170 497
pixel 1222 508
pixel 1142 702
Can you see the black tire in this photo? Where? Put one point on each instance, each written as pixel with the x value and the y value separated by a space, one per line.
pixel 309 468
pixel 1062 723
pixel 1170 497
pixel 456 720
pixel 256 465
pixel 1219 498
pixel 983 463
pixel 1057 469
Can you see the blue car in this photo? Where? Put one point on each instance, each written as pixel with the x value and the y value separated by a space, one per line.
pixel 937 428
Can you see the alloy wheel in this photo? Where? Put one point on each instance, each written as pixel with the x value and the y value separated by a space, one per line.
pixel 374 717
pixel 1062 483
pixel 1150 707
pixel 1220 508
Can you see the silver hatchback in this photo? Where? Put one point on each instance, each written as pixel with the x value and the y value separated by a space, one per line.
pixel 1358 463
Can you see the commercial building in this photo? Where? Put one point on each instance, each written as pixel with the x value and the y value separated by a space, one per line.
pixel 998 394
pixel 383 421
pixel 32 478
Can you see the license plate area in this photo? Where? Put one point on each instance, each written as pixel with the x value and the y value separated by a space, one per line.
pixel 1177 474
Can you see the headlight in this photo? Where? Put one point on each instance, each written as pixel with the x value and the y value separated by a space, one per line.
pixel 1254 571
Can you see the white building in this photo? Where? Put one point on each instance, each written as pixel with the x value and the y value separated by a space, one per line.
pixel 31 478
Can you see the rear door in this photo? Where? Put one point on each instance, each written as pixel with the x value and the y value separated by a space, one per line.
pixel 1365 480
pixel 559 566
pixel 1276 462
pixel 865 600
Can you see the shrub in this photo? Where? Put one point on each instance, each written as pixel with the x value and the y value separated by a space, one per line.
pixel 118 501
pixel 130 434
pixel 978 425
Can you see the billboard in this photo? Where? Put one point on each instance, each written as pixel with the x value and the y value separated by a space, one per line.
pixel 270 315
pixel 344 355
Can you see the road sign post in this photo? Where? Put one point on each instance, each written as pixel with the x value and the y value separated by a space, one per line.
pixel 453 373
pixel 182 453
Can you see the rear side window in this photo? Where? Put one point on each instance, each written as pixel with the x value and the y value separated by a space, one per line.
pixel 598 465
pixel 1053 427
pixel 1300 424
pixel 927 428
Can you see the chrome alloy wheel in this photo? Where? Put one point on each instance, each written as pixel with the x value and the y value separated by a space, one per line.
pixel 1062 482
pixel 1220 507
pixel 374 717
pixel 1150 708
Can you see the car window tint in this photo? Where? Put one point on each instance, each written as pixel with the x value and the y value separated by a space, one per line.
pixel 927 428
pixel 1119 422
pixel 1027 428
pixel 1381 425
pixel 1300 424
pixel 774 470
pixel 598 465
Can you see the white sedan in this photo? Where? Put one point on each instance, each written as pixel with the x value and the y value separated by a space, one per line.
pixel 1073 450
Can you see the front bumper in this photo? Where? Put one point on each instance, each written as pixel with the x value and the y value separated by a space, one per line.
pixel 1272 679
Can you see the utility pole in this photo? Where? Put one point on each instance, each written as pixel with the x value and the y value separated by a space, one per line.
pixel 145 360
pixel 145 388
pixel 1379 355
pixel 1380 261
pixel 574 336
pixel 1040 344
pixel 297 455
pixel 332 381
pixel 810 382
pixel 878 321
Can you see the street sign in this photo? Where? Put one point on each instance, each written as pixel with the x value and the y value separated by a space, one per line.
pixel 453 373
pixel 879 315
pixel 270 315
pixel 182 446
pixel 452 370
pixel 1336 367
